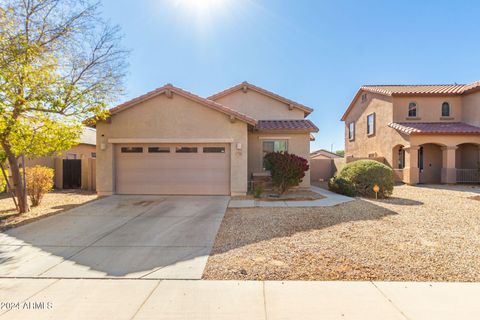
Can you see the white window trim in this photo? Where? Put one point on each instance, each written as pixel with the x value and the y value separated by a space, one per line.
pixel 417 112
pixel 374 124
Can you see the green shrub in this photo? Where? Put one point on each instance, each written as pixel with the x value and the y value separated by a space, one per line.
pixel 39 182
pixel 342 186
pixel 257 192
pixel 287 170
pixel 362 175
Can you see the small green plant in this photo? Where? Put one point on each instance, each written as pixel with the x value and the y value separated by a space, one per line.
pixel 258 191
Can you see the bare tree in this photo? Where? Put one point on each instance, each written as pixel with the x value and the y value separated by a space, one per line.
pixel 60 63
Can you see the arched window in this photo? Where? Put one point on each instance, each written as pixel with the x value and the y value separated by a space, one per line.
pixel 445 109
pixel 412 109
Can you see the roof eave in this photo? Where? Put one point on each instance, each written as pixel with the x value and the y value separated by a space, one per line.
pixel 162 90
pixel 442 133
pixel 287 130
pixel 240 86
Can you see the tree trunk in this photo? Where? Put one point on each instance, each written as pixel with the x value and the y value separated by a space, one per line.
pixel 17 180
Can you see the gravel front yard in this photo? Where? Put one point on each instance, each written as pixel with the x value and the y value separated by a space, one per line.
pixel 53 203
pixel 428 233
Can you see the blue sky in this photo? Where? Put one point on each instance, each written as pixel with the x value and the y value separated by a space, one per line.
pixel 315 52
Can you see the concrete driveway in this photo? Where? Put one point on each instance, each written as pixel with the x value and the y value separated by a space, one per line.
pixel 158 237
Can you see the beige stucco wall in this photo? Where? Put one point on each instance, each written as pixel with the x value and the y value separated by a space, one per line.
pixel 429 109
pixel 386 140
pixel 321 169
pixel 81 151
pixel 383 140
pixel 467 156
pixel 432 164
pixel 471 108
pixel 259 106
pixel 176 118
pixel 444 140
pixel 298 143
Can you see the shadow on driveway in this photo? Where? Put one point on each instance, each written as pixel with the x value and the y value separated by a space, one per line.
pixel 117 236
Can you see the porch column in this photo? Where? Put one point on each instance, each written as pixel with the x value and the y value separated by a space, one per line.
pixel 449 171
pixel 411 172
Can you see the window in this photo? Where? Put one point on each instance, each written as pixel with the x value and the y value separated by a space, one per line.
pixel 445 109
pixel 351 131
pixel 364 97
pixel 412 110
pixel 371 124
pixel 93 154
pixel 274 146
pixel 401 158
pixel 158 149
pixel 186 149
pixel 213 149
pixel 132 149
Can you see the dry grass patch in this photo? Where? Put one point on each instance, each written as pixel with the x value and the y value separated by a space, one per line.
pixel 53 203
pixel 420 234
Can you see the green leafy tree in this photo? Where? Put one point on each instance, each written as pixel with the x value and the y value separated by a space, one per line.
pixel 60 63
pixel 340 153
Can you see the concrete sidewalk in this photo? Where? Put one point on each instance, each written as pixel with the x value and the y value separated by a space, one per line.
pixel 330 199
pixel 187 299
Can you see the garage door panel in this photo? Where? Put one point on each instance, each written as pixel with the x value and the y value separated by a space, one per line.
pixel 172 173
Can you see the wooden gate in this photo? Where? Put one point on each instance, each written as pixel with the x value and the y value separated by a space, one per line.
pixel 72 173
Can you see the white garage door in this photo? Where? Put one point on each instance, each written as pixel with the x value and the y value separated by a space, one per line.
pixel 191 169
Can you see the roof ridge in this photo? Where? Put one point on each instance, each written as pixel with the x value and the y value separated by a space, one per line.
pixel 324 150
pixel 251 86
pixel 216 105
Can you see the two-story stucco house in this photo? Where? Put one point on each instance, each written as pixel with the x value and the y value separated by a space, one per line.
pixel 170 141
pixel 426 133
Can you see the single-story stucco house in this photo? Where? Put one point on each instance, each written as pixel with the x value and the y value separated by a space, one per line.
pixel 74 168
pixel 170 141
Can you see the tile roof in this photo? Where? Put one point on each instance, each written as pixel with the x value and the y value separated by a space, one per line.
pixel 414 90
pixel 169 87
pixel 289 125
pixel 434 128
pixel 437 89
pixel 250 86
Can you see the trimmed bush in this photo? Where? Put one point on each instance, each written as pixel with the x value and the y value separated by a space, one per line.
pixel 341 186
pixel 287 170
pixel 360 177
pixel 364 174
pixel 39 182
